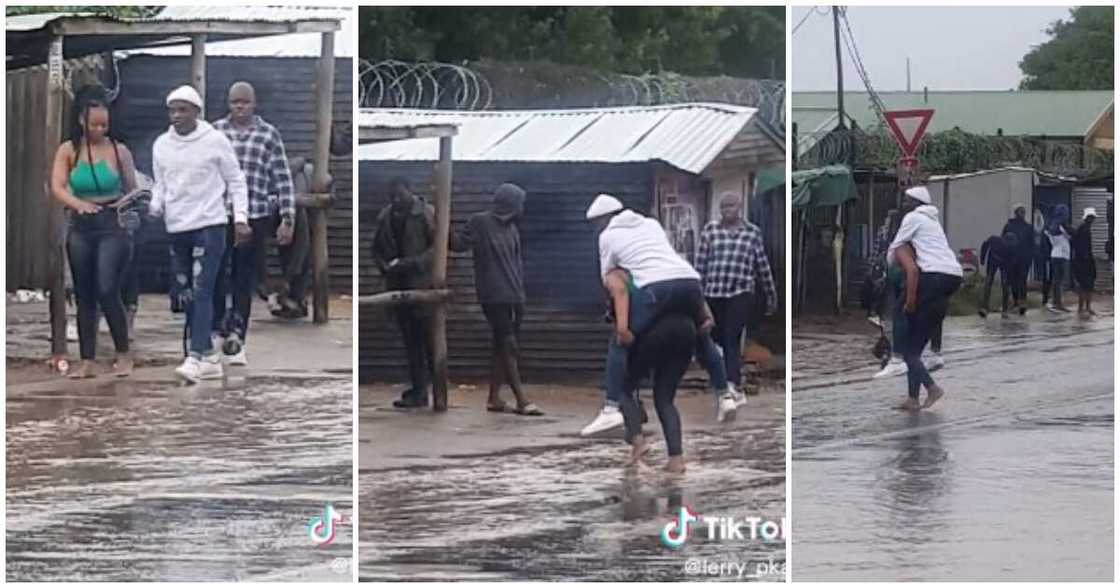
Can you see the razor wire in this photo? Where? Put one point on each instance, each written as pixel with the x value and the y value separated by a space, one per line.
pixel 434 85
pixel 953 151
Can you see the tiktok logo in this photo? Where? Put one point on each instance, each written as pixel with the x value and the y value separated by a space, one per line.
pixel 675 533
pixel 321 529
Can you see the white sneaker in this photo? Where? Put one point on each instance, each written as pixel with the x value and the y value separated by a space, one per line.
pixel 878 322
pixel 934 362
pixel 71 332
pixel 1052 308
pixel 195 370
pixel 216 341
pixel 895 367
pixel 608 418
pixel 727 408
pixel 238 358
pixel 740 398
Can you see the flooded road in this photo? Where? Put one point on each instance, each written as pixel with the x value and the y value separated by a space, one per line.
pixel 469 495
pixel 1009 477
pixel 144 480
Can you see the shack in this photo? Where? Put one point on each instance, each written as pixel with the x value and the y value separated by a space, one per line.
pixel 671 162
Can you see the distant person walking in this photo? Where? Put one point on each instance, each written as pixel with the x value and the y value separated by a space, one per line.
pixel 1084 265
pixel 1060 253
pixel 999 255
pixel 1023 255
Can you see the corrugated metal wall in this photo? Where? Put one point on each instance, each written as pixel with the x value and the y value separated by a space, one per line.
pixel 28 198
pixel 285 97
pixel 1084 197
pixel 563 336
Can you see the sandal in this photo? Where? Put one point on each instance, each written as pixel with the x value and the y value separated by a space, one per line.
pixel 529 410
pixel 503 408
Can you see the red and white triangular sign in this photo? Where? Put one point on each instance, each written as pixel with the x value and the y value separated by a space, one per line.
pixel 908 126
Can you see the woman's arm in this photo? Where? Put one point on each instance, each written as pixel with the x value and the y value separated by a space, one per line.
pixel 904 256
pixel 615 281
pixel 60 181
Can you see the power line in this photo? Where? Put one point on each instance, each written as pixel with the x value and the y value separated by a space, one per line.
pixel 815 10
pixel 857 60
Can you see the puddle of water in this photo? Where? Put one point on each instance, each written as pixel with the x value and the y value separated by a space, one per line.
pixel 150 482
pixel 566 513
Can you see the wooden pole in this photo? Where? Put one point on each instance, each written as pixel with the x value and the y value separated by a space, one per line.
pixel 439 275
pixel 198 68
pixel 395 297
pixel 53 134
pixel 320 179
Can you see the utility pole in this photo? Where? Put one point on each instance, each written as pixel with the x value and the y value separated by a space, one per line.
pixel 907 75
pixel 839 67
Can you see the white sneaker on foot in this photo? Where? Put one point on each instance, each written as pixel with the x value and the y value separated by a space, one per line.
pixel 238 358
pixel 607 419
pixel 194 370
pixel 934 362
pixel 727 408
pixel 895 367
pixel 740 398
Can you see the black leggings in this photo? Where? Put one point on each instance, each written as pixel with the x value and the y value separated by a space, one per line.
pixel 934 291
pixel 666 351
pixel 99 250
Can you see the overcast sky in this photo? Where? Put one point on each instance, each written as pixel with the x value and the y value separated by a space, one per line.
pixel 950 48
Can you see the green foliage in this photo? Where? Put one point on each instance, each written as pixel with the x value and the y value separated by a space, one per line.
pixel 1078 55
pixel 115 11
pixel 700 41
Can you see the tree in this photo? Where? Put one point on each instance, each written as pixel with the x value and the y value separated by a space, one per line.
pixel 701 40
pixel 1078 55
pixel 114 11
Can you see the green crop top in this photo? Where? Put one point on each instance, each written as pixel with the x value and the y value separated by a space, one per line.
pixel 84 185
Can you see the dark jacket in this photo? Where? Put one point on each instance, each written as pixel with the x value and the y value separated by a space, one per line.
pixel 414 249
pixel 495 243
pixel 998 253
pixel 1024 232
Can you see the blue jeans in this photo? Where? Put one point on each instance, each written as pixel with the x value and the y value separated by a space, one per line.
pixel 646 306
pixel 195 258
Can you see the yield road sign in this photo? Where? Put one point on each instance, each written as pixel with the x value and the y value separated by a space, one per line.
pixel 908 126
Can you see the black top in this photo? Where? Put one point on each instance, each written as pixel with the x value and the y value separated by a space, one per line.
pixel 495 243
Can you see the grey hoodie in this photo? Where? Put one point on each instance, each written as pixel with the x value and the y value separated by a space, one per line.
pixel 495 244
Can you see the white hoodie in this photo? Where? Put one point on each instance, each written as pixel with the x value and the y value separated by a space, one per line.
pixel 638 245
pixel 922 230
pixel 193 175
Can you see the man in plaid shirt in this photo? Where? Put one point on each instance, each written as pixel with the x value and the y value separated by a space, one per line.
pixel 260 150
pixel 732 262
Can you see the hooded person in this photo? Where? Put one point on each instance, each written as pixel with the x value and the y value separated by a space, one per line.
pixel 1083 266
pixel 999 254
pixel 940 277
pixel 198 181
pixel 495 244
pixel 1058 234
pixel 1024 254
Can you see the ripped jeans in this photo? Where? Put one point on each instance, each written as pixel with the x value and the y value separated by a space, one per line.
pixel 195 258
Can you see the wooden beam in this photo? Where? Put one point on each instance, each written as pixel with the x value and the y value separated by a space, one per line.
pixel 439 275
pixel 378 134
pixel 320 178
pixel 198 69
pixel 53 137
pixel 405 297
pixel 105 26
pixel 314 200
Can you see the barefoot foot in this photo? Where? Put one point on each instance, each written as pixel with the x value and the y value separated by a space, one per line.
pixel 911 405
pixel 933 394
pixel 675 465
pixel 122 367
pixel 83 371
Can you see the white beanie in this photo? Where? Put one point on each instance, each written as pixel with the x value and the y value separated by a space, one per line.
pixel 186 94
pixel 920 194
pixel 603 204
pixel 1090 211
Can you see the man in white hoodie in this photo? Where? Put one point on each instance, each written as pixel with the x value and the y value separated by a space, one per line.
pixel 665 283
pixel 941 275
pixel 196 173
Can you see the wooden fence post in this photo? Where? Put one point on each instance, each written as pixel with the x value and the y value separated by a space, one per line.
pixel 55 229
pixel 320 180
pixel 439 275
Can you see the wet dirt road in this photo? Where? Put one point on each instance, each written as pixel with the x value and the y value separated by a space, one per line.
pixel 468 495
pixel 144 480
pixel 1009 477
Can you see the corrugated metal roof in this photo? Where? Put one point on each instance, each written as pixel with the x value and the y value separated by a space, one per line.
pixel 30 22
pixel 295 45
pixel 686 136
pixel 1033 113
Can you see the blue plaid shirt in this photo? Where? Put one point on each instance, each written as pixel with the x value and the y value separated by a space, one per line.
pixel 731 260
pixel 260 150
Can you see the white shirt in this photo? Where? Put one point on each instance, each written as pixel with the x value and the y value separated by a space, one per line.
pixel 921 230
pixel 193 175
pixel 1059 244
pixel 638 245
